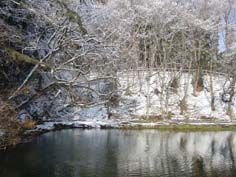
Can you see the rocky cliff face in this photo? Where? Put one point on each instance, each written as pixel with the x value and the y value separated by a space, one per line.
pixel 17 24
pixel 37 40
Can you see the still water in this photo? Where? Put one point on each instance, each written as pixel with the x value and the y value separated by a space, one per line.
pixel 121 153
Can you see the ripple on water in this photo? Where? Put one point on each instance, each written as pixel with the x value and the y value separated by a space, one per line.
pixel 121 153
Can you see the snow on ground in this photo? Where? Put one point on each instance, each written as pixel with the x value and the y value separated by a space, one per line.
pixel 164 99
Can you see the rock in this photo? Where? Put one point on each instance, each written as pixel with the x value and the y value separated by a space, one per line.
pixel 24 115
pixel 47 78
pixel 2 133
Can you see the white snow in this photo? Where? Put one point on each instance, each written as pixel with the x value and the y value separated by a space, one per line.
pixel 133 103
pixel 197 106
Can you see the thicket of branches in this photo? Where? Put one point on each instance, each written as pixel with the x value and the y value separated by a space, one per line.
pixel 184 36
pixel 83 44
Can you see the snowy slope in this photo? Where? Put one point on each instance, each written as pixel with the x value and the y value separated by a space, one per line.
pixel 164 99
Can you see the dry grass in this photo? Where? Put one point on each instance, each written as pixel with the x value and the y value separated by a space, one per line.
pixel 9 126
pixel 156 118
pixel 29 124
pixel 151 118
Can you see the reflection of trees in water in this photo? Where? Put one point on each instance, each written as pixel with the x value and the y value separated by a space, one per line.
pixel 230 145
pixel 173 164
pixel 110 155
pixel 198 166
pixel 183 142
pixel 202 154
pixel 124 153
pixel 127 153
pixel 231 153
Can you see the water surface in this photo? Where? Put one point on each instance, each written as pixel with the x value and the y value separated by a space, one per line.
pixel 121 153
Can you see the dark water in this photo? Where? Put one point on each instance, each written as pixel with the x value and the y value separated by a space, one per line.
pixel 117 153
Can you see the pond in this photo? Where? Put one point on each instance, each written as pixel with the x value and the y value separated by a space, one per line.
pixel 121 153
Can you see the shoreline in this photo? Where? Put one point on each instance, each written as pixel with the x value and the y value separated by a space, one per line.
pixel 168 125
pixel 135 125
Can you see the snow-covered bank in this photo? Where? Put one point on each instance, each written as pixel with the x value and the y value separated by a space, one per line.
pixel 149 94
pixel 134 124
pixel 164 99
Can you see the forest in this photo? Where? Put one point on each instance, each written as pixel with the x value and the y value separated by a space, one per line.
pixel 112 62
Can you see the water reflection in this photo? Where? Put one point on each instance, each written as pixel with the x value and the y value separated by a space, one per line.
pixel 116 153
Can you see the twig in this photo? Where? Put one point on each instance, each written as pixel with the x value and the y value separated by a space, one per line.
pixel 29 76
